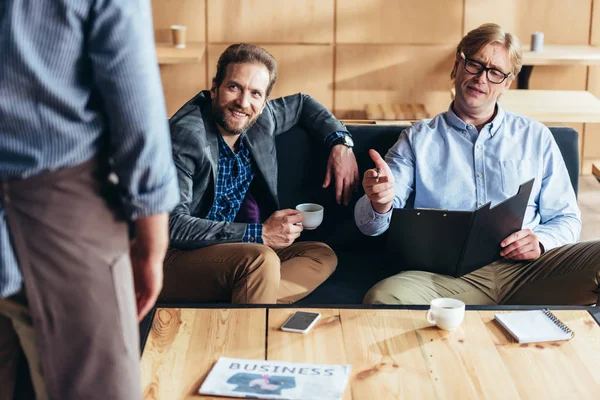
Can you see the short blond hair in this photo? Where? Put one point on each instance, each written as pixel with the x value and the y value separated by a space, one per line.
pixel 486 34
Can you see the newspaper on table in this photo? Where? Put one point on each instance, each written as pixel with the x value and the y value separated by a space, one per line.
pixel 270 379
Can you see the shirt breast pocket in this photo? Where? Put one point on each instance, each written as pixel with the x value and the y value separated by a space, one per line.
pixel 514 173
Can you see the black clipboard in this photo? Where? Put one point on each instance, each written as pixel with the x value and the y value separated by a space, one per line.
pixel 455 242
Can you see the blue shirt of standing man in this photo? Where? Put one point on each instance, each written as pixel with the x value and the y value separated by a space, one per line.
pixel 79 86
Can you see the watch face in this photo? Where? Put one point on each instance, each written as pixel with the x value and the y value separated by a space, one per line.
pixel 348 141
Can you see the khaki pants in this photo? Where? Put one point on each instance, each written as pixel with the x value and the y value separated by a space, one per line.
pixel 245 273
pixel 17 346
pixel 568 275
pixel 78 327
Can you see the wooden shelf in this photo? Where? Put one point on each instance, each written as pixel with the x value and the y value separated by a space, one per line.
pixel 168 54
pixel 563 55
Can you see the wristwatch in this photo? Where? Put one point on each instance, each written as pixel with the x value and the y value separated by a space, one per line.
pixel 346 140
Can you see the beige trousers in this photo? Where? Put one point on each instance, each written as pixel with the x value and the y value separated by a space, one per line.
pixel 245 273
pixel 78 327
pixel 17 346
pixel 568 275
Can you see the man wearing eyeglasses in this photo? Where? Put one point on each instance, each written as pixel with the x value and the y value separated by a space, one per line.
pixel 473 154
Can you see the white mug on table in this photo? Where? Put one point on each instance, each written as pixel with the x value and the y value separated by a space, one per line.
pixel 446 313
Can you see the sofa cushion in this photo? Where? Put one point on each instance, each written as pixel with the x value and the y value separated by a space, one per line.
pixel 302 162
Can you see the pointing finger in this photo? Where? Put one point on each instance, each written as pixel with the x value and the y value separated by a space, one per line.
pixel 377 159
pixel 380 164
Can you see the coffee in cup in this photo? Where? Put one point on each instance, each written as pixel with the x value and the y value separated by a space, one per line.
pixel 179 32
pixel 313 215
pixel 446 313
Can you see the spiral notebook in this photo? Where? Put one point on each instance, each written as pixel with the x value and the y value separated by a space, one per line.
pixel 534 326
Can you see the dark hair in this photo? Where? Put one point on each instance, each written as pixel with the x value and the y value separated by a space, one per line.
pixel 246 53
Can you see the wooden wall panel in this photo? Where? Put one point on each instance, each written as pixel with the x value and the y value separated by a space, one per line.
pixel 301 68
pixel 181 82
pixel 387 51
pixel 399 21
pixel 591 142
pixel 269 21
pixel 392 74
pixel 592 131
pixel 595 33
pixel 190 13
pixel 563 22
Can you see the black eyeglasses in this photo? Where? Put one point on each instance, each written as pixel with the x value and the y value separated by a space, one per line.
pixel 475 67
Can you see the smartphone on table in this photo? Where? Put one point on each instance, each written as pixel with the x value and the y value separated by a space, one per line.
pixel 301 321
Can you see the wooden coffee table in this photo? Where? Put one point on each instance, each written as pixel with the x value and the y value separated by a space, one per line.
pixel 394 352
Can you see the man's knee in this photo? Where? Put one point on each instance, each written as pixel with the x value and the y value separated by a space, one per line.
pixel 391 291
pixel 327 258
pixel 323 256
pixel 410 287
pixel 376 296
pixel 264 261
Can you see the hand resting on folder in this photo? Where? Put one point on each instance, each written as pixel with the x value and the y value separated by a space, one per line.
pixel 522 245
pixel 455 242
pixel 378 184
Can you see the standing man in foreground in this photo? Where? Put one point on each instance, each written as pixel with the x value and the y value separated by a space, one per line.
pixel 80 98
pixel 473 154
pixel 229 240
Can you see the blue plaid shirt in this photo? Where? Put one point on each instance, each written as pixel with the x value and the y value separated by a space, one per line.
pixel 234 175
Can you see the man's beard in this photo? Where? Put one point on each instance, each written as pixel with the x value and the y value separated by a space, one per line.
pixel 221 120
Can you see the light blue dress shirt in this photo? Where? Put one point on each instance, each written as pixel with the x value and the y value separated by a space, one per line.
pixel 76 75
pixel 449 165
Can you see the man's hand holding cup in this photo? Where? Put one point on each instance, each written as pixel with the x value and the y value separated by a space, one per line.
pixel 282 228
pixel 378 184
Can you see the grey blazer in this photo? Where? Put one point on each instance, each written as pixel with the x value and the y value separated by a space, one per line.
pixel 196 154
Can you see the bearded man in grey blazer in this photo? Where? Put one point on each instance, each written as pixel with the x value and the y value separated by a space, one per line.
pixel 229 240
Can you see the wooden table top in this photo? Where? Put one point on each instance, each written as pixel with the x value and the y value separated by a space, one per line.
pixel 563 55
pixel 394 353
pixel 551 106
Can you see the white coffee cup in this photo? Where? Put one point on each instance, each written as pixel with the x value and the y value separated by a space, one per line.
pixel 313 215
pixel 446 313
pixel 537 41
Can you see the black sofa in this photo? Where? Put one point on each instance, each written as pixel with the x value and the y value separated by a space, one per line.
pixel 362 262
pixel 362 259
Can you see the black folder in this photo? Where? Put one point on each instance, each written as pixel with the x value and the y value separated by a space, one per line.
pixel 455 242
